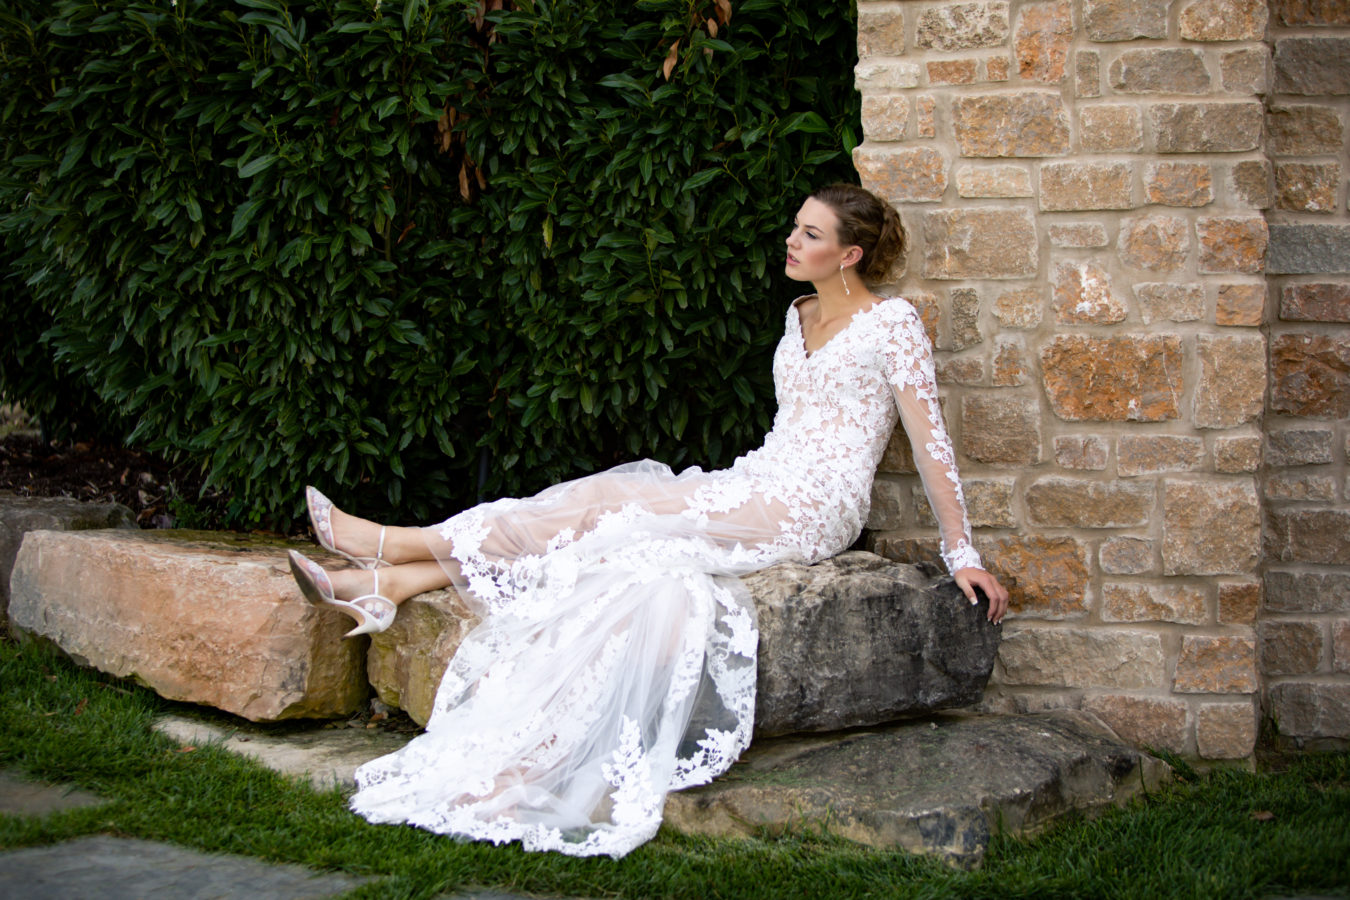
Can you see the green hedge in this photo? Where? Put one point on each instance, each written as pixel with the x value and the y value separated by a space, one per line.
pixel 411 254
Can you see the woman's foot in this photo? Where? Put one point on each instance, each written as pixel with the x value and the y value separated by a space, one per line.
pixel 359 540
pixel 372 611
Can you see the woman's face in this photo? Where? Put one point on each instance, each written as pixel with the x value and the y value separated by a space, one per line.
pixel 813 249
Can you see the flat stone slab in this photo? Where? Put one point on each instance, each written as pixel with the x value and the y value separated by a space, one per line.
pixel 20 515
pixel 853 640
pixel 328 757
pixel 213 618
pixel 941 786
pixel 113 868
pixel 21 797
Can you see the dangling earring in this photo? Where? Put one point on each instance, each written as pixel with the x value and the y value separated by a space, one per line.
pixel 847 292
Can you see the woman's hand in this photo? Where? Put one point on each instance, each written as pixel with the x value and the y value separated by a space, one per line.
pixel 970 578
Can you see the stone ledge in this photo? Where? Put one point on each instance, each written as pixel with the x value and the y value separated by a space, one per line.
pixel 940 787
pixel 20 515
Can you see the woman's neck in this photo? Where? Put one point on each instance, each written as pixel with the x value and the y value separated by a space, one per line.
pixel 833 301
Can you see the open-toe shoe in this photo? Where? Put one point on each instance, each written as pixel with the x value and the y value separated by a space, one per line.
pixel 321 518
pixel 373 612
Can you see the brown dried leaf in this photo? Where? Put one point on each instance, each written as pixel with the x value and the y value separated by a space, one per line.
pixel 712 28
pixel 723 11
pixel 79 707
pixel 464 180
pixel 1262 815
pixel 186 748
pixel 671 59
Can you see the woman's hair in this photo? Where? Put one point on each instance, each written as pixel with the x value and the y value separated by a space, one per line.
pixel 871 223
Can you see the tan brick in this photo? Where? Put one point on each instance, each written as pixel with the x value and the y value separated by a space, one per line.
pixel 965 307
pixel 1077 451
pixel 1020 308
pixel 1042 40
pixel 1080 186
pixel 1087 77
pixel 1236 455
pixel 1328 302
pixel 1179 184
pixel 1142 721
pixel 1224 20
pixel 1340 645
pixel 1150 454
pixel 1001 430
pixel 881 32
pixel 1165 301
pixel 1125 20
pixel 1290 647
pixel 988 503
pixel 898 458
pixel 1310 375
pixel 1299 447
pixel 1304 130
pixel 1311 710
pixel 951 71
pixel 979 242
pixel 996 68
pixel 1081 657
pixel 1240 304
pixel 968 370
pixel 1156 70
pixel 905 175
pixel 1078 235
pixel 1126 556
pixel 1320 536
pixel 1312 65
pixel 871 75
pixel 1232 243
pixel 1286 486
pixel 962 26
pixel 923 108
pixel 1251 184
pixel 888 505
pixel 1239 602
pixel 928 307
pixel 1231 388
pixel 1083 295
pixel 1030 123
pixel 1010 363
pixel 1134 378
pixel 1216 665
pixel 1311 12
pixel 1059 502
pixel 993 181
pixel 1307 187
pixel 1207 127
pixel 1246 71
pixel 1307 592
pixel 1155 243
pixel 1210 528
pixel 1046 577
pixel 1225 730
pixel 884 116
pixel 1185 604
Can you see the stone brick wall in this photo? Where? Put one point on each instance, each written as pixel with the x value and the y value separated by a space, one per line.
pixel 1304 630
pixel 1092 188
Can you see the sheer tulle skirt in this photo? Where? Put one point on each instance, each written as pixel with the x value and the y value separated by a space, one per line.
pixel 615 661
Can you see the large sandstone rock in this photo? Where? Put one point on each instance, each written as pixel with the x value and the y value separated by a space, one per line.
pixel 854 640
pixel 940 787
pixel 210 618
pixel 20 515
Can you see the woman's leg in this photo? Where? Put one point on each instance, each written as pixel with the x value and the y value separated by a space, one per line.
pixel 396 582
pixel 361 537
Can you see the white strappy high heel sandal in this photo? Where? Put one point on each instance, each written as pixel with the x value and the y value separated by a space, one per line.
pixel 373 612
pixel 321 518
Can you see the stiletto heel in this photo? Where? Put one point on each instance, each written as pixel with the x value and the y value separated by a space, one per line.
pixel 318 589
pixel 321 519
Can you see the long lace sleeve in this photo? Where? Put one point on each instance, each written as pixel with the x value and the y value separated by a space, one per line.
pixel 910 371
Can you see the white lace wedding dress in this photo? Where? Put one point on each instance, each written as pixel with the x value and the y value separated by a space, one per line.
pixel 616 656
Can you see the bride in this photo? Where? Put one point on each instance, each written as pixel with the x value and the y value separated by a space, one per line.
pixel 615 659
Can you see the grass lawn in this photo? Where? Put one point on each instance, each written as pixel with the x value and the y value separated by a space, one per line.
pixel 1227 834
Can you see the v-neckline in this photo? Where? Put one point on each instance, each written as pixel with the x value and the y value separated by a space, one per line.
pixel 801 331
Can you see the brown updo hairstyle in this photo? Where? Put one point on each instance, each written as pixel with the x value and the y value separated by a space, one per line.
pixel 871 223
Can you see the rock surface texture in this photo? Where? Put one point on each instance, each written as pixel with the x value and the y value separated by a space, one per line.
pixel 20 515
pixel 941 787
pixel 209 618
pixel 854 640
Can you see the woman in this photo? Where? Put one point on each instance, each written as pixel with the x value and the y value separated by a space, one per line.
pixel 615 660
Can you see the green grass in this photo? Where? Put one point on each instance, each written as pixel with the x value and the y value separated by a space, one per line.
pixel 1196 839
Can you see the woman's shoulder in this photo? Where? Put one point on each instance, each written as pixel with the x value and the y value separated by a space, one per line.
pixel 899 310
